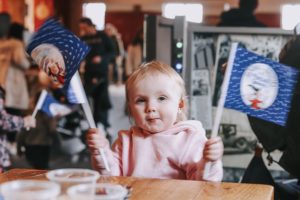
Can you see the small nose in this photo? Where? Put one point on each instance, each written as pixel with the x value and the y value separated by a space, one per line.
pixel 150 108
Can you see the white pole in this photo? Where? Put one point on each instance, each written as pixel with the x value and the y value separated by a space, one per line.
pixel 39 103
pixel 221 102
pixel 88 113
pixel 224 90
pixel 87 110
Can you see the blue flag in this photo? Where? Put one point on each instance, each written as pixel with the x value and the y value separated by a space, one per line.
pixel 258 86
pixel 53 108
pixel 57 51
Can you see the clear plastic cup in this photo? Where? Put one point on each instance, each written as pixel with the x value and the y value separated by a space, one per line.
pixel 104 191
pixel 70 177
pixel 30 190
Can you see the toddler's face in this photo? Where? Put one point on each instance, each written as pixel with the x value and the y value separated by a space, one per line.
pixel 154 103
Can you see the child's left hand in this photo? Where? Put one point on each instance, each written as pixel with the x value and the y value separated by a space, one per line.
pixel 213 149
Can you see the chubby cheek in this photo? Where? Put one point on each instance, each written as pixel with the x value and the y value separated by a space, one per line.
pixel 169 119
pixel 171 114
pixel 136 113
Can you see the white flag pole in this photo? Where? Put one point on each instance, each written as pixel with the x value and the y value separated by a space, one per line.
pixel 224 90
pixel 87 111
pixel 221 102
pixel 39 103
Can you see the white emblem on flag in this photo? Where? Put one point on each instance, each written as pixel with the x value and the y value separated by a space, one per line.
pixel 259 86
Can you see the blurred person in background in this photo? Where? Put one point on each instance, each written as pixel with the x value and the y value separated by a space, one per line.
pixel 35 143
pixel 11 52
pixel 134 57
pixel 17 97
pixel 96 70
pixel 115 66
pixel 10 123
pixel 14 63
pixel 4 46
pixel 134 53
pixel 242 16
pixel 5 21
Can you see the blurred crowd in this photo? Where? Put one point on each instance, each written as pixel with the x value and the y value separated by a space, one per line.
pixel 21 79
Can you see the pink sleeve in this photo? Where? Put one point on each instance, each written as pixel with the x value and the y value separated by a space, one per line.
pixel 116 157
pixel 98 164
pixel 113 157
pixel 195 171
pixel 215 173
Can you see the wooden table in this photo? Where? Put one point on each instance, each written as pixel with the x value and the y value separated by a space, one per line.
pixel 144 189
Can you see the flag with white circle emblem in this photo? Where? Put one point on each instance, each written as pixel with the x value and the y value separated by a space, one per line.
pixel 259 86
pixel 57 51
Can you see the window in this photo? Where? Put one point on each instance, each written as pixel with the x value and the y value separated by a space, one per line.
pixel 96 12
pixel 290 16
pixel 192 12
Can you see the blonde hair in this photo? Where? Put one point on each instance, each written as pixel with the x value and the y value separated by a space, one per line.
pixel 155 68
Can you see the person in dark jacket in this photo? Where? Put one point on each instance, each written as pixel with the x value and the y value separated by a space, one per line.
pixel 242 16
pixel 96 69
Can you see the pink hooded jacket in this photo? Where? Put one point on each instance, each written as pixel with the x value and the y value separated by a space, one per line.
pixel 172 154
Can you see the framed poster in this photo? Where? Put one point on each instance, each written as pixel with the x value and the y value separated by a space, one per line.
pixel 201 97
pixel 199 90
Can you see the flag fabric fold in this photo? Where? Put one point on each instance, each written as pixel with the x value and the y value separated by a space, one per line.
pixel 260 87
pixel 54 108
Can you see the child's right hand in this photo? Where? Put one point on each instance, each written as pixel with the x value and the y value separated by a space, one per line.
pixel 96 140
pixel 29 122
pixel 214 149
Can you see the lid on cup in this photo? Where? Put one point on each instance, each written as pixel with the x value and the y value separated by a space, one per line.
pixel 73 175
pixel 29 188
pixel 104 191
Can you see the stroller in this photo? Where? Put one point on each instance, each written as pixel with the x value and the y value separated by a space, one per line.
pixel 71 131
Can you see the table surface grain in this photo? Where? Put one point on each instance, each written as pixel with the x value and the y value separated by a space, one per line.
pixel 150 189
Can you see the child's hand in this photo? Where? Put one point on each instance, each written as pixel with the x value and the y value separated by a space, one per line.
pixel 213 149
pixel 29 121
pixel 95 140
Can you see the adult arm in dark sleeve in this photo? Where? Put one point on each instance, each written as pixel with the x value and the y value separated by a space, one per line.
pixel 110 51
